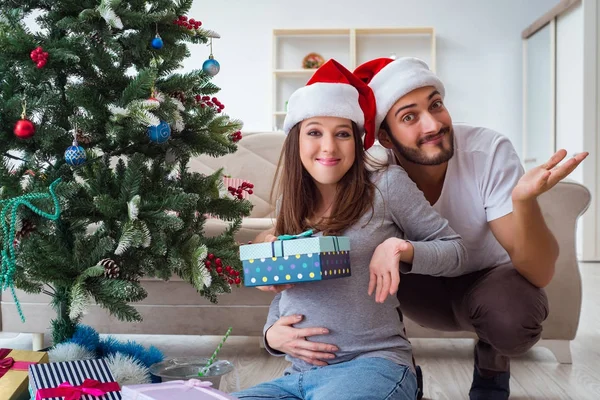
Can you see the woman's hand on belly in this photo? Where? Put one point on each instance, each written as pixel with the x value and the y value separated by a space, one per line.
pixel 283 337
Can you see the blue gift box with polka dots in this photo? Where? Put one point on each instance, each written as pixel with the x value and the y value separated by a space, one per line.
pixel 293 261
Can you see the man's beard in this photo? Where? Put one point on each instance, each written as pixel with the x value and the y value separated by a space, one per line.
pixel 416 156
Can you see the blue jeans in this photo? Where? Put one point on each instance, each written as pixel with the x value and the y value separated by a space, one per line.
pixel 360 379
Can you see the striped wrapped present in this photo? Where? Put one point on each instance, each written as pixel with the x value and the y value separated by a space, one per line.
pixel 89 379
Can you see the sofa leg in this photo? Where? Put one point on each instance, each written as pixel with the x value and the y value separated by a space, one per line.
pixel 37 341
pixel 560 348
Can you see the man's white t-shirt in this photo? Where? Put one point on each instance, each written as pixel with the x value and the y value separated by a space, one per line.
pixel 477 189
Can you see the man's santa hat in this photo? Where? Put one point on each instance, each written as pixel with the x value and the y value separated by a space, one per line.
pixel 333 91
pixel 391 79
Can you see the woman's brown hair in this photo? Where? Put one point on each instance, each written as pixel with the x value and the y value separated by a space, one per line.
pixel 297 195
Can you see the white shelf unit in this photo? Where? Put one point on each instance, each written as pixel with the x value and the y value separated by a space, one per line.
pixel 351 47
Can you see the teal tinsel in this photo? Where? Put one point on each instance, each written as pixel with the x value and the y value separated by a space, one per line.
pixel 87 337
pixel 9 263
pixel 147 357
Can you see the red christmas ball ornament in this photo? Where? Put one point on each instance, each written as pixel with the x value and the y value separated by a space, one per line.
pixel 24 129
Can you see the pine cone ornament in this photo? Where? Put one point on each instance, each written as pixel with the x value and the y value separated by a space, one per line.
pixel 27 227
pixel 111 269
pixel 83 137
pixel 179 96
pixel 97 38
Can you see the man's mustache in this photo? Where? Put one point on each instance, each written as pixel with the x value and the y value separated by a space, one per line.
pixel 427 138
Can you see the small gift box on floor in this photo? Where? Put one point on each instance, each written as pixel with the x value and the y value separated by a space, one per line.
pixel 293 259
pixel 193 389
pixel 14 377
pixel 80 379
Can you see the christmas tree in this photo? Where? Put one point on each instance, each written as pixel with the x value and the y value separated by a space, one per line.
pixel 97 126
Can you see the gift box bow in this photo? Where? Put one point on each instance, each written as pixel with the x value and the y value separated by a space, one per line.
pixel 90 387
pixel 8 363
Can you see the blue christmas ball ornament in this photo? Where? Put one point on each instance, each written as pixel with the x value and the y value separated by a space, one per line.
pixel 159 133
pixel 211 66
pixel 157 42
pixel 75 155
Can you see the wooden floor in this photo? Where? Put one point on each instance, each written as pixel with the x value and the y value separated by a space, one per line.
pixel 447 364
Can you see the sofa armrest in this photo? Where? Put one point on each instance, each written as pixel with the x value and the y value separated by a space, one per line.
pixel 250 228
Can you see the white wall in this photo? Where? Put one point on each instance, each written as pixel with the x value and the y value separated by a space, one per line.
pixel 569 95
pixel 478 48
pixel 569 84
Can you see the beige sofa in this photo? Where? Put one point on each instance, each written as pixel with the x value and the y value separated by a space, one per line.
pixel 175 308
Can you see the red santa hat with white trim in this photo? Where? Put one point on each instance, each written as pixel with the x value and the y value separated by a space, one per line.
pixel 334 91
pixel 391 79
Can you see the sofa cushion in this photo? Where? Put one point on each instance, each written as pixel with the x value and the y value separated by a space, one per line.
pixel 255 161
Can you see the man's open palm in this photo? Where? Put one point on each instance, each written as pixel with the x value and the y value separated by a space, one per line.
pixel 543 177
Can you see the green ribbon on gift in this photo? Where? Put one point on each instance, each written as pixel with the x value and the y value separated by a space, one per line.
pixel 304 234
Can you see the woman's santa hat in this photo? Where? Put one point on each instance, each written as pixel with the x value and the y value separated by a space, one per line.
pixel 333 91
pixel 391 79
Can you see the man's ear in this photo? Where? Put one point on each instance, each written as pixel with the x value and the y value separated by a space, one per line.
pixel 384 139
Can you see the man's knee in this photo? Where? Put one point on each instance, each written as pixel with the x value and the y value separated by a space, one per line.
pixel 510 318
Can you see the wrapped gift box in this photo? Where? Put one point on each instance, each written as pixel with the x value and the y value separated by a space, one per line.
pixel 56 381
pixel 302 259
pixel 192 389
pixel 14 377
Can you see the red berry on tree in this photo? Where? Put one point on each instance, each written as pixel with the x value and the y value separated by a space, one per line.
pixel 207 263
pixel 238 281
pixel 211 256
pixel 219 270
